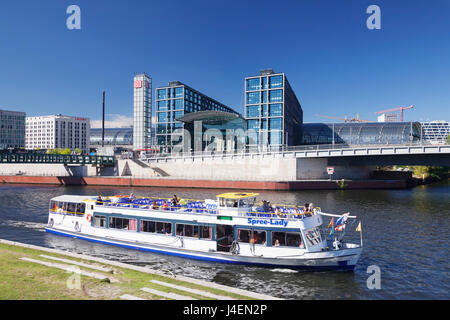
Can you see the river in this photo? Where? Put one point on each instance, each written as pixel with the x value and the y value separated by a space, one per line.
pixel 405 233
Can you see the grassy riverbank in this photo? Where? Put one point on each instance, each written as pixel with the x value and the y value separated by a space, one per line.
pixel 25 279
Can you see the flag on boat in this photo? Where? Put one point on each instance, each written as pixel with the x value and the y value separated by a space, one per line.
pixel 331 223
pixel 358 228
pixel 340 223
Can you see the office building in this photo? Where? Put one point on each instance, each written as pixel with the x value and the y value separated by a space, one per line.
pixel 388 117
pixel 272 111
pixel 173 102
pixel 57 131
pixel 436 132
pixel 142 112
pixel 12 129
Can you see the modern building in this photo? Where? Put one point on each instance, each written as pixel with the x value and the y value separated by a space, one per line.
pixel 436 132
pixel 122 137
pixel 57 131
pixel 172 103
pixel 272 110
pixel 388 117
pixel 361 133
pixel 142 111
pixel 215 131
pixel 12 129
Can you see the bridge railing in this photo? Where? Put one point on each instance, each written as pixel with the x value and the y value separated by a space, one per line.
pixel 56 159
pixel 282 151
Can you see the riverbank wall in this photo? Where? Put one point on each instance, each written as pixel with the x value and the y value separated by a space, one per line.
pixel 210 184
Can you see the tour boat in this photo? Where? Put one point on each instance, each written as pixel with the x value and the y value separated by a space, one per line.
pixel 232 228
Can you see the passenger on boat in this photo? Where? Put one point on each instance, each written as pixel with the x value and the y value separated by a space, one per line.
pixel 132 197
pixel 265 206
pixel 165 206
pixel 99 200
pixel 306 208
pixel 277 243
pixel 175 200
pixel 278 213
pixel 155 206
pixel 271 208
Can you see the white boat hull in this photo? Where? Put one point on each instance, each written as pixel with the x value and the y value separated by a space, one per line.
pixel 343 259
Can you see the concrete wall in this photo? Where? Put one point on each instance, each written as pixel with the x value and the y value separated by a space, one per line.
pixel 32 169
pixel 273 169
pixel 249 169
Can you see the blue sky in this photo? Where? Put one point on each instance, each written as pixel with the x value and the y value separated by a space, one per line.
pixel 335 64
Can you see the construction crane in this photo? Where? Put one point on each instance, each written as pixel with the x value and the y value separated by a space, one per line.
pixel 396 109
pixel 357 119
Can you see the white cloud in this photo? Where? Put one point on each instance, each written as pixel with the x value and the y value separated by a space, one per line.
pixel 113 121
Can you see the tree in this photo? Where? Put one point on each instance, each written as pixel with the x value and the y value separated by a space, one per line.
pixel 65 151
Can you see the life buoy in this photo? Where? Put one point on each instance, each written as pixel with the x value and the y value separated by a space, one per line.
pixel 89 217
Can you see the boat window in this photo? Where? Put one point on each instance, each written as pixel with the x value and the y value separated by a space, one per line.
pixel 68 208
pixel 187 230
pixel 313 236
pixel 289 239
pixel 164 227
pixel 99 221
pixel 252 236
pixel 205 232
pixel 229 203
pixel 148 226
pixel 122 223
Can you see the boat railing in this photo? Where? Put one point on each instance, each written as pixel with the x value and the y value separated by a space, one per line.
pixel 200 207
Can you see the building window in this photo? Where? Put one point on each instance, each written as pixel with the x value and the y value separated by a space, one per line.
pixel 253 124
pixel 162 105
pixel 275 124
pixel 179 92
pixel 162 117
pixel 162 94
pixel 253 111
pixel 275 95
pixel 276 82
pixel 276 109
pixel 252 97
pixel 275 137
pixel 253 84
pixel 178 104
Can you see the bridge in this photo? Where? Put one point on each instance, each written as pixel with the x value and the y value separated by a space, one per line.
pixel 358 155
pixel 40 158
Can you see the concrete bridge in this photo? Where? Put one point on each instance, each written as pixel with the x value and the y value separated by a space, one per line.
pixel 300 163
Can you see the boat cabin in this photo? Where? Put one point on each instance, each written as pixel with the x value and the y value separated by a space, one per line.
pixel 236 202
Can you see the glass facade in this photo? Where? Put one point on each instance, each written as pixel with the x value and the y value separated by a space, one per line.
pixel 113 137
pixel 176 100
pixel 361 133
pixel 208 130
pixel 436 132
pixel 272 110
pixel 142 111
pixel 12 129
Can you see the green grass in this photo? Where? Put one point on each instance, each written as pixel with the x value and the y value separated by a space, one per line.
pixel 23 280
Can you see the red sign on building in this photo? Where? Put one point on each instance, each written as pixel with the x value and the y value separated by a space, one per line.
pixel 138 84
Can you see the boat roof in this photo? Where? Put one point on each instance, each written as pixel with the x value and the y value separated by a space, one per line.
pixel 237 195
pixel 69 198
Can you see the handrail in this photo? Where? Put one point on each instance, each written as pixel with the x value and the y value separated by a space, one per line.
pixel 182 209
